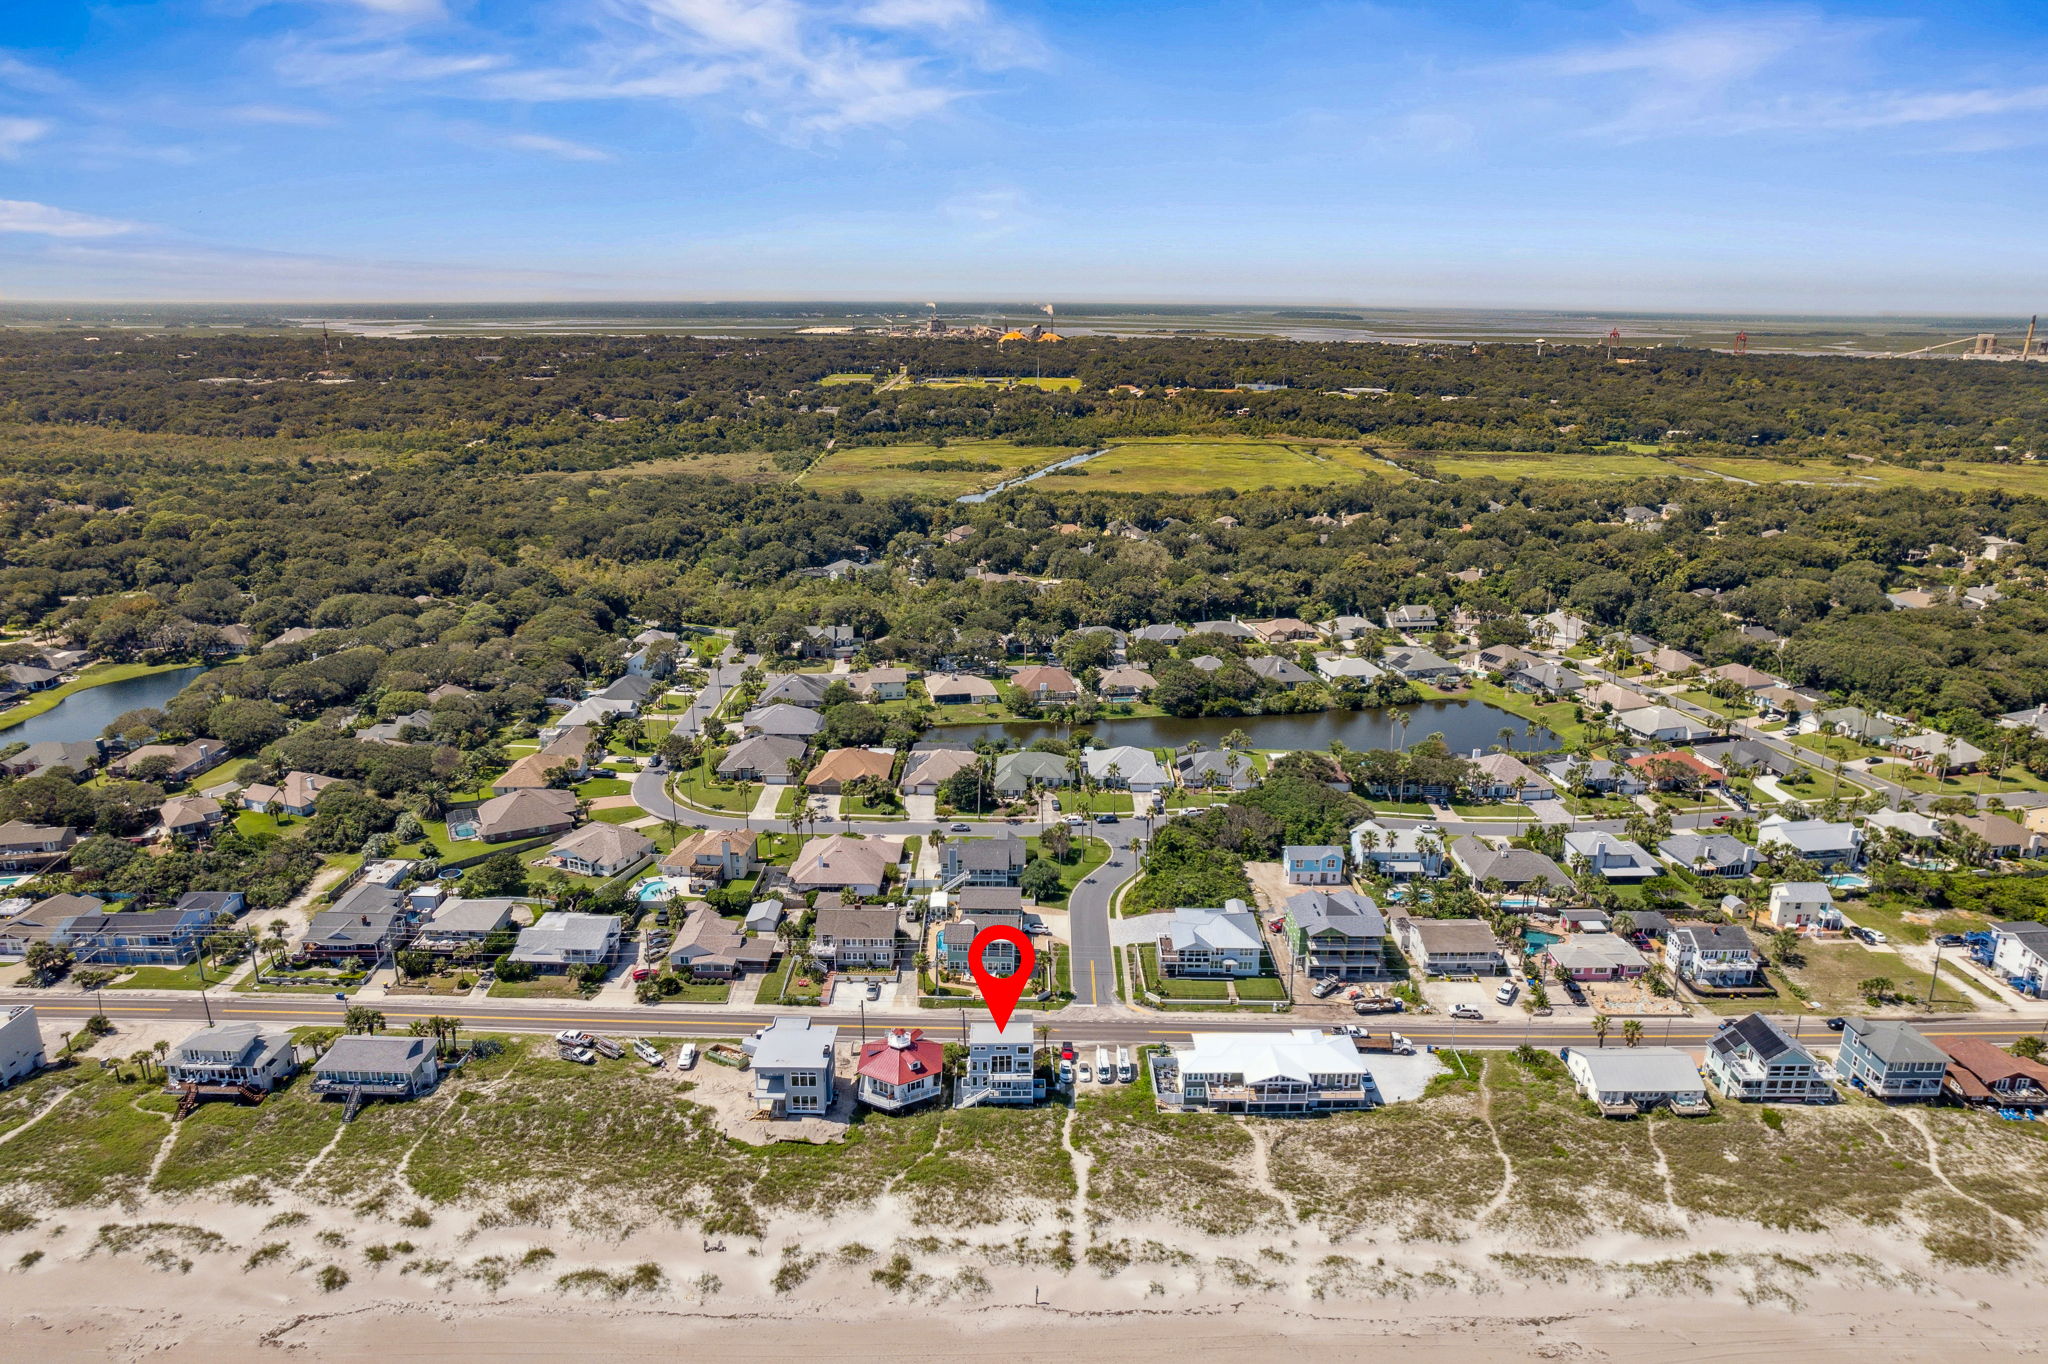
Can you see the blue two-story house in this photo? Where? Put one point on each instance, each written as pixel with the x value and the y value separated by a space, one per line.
pixel 1318 865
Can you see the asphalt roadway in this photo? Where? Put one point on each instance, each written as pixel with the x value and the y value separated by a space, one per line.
pixel 1075 1024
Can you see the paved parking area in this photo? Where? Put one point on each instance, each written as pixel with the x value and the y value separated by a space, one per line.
pixel 848 992
pixel 1444 995
pixel 1401 1078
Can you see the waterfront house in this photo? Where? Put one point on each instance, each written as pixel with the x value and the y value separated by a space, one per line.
pixel 956 689
pixel 1135 769
pixel 21 1044
pixel 791 1064
pixel 1279 671
pixel 1303 1070
pixel 1985 1076
pixel 1503 776
pixel 899 1070
pixel 1890 1060
pixel 1629 1080
pixel 1210 768
pixel 1418 665
pixel 231 1056
pixel 1125 682
pixel 1753 1060
pixel 377 1066
pixel 1046 685
pixel 1000 1065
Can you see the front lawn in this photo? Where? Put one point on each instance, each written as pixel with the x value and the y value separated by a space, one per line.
pixel 171 978
pixel 540 987
pixel 1089 855
pixel 693 787
pixel 1262 988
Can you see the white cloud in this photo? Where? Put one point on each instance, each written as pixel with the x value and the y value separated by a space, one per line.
pixel 23 75
pixel 553 146
pixel 17 133
pixel 1761 71
pixel 797 69
pixel 23 215
pixel 288 115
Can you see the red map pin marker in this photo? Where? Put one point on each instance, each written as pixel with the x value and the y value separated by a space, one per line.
pixel 1001 993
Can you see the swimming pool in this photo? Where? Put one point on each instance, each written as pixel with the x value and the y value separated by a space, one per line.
pixel 464 830
pixel 10 882
pixel 1535 941
pixel 1848 880
pixel 1521 902
pixel 660 888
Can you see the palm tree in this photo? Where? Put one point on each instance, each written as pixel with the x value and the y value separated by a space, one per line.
pixel 1506 735
pixel 1600 1028
pixel 1631 1031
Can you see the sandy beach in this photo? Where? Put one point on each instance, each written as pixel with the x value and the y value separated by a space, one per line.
pixel 177 1282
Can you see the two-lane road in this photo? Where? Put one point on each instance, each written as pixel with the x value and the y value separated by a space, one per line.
pixel 493 1015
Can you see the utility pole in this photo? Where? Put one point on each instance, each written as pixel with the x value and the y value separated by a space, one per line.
pixel 1934 977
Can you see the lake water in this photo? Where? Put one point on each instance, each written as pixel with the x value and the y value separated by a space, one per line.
pixel 1465 725
pixel 83 714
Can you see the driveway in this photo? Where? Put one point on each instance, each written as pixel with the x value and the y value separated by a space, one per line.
pixel 921 809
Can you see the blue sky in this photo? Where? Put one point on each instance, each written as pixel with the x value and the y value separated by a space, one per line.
pixel 1845 158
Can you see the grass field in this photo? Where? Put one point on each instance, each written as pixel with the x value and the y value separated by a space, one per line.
pixel 1049 384
pixel 880 469
pixel 1515 464
pixel 1193 464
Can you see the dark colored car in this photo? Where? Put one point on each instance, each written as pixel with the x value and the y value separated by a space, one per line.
pixel 1837 1024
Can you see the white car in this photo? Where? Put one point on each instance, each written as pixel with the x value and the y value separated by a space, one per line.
pixel 1084 1074
pixel 1506 993
pixel 1876 935
pixel 1066 1072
